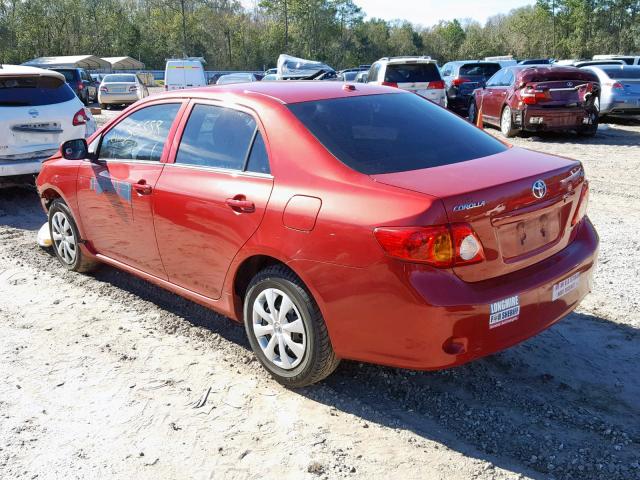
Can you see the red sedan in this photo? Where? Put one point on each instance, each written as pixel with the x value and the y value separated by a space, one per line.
pixel 526 98
pixel 336 221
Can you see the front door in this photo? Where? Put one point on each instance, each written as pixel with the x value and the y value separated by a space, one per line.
pixel 210 201
pixel 115 193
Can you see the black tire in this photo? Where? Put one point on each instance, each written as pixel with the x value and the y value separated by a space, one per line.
pixel 79 262
pixel 103 106
pixel 506 122
pixel 472 111
pixel 319 360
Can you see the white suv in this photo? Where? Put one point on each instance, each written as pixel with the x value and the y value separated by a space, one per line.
pixel 415 74
pixel 38 112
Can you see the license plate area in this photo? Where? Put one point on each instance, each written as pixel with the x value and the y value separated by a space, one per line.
pixel 523 236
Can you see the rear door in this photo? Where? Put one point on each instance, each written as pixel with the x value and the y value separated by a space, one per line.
pixel 421 78
pixel 115 194
pixel 212 197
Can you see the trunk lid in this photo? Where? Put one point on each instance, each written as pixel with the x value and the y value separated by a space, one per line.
pixel 495 196
pixel 119 87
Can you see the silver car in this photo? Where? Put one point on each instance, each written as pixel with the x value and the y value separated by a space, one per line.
pixel 236 78
pixel 121 89
pixel 619 89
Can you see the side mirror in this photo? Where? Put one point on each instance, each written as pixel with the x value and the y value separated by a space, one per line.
pixel 75 149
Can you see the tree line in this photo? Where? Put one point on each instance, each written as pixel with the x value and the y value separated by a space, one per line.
pixel 231 37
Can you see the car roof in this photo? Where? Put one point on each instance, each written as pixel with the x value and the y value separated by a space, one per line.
pixel 460 62
pixel 285 91
pixel 24 70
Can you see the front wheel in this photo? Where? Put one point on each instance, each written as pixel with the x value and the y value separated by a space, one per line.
pixel 66 239
pixel 286 330
pixel 506 123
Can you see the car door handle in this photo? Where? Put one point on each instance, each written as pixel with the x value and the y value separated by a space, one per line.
pixel 142 187
pixel 240 204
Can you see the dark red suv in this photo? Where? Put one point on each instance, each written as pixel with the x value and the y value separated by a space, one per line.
pixel 335 220
pixel 538 98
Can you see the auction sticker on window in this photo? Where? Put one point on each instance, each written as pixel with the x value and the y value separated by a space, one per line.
pixel 504 311
pixel 567 285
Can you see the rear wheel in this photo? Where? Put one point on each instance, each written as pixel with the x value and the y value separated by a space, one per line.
pixel 66 239
pixel 472 112
pixel 286 329
pixel 506 123
pixel 592 128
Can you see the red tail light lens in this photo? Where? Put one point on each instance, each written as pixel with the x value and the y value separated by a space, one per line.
pixel 459 81
pixel 80 118
pixel 104 89
pixel 390 84
pixel 441 246
pixel 615 85
pixel 531 96
pixel 80 85
pixel 582 204
pixel 133 88
pixel 438 84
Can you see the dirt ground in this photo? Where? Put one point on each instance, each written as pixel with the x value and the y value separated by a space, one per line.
pixel 107 376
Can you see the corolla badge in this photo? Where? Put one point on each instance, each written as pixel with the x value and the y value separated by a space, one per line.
pixel 539 189
pixel 33 112
pixel 469 206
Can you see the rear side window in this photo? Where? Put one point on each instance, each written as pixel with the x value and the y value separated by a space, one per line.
pixel 412 73
pixel 216 137
pixel 70 76
pixel 479 69
pixel 33 91
pixel 140 136
pixel 623 73
pixel 258 160
pixel 388 133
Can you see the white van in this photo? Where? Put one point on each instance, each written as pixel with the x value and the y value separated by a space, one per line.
pixel 180 74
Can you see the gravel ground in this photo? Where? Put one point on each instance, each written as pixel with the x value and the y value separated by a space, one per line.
pixel 107 376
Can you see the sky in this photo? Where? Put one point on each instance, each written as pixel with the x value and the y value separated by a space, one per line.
pixel 429 12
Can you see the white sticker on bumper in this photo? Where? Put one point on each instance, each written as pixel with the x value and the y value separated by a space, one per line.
pixel 567 285
pixel 504 311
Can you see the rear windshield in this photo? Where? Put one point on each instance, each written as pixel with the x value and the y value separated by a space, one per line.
pixel 623 73
pixel 412 73
pixel 33 91
pixel 119 78
pixel 69 75
pixel 376 134
pixel 480 69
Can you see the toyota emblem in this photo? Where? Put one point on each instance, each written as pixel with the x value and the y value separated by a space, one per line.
pixel 539 189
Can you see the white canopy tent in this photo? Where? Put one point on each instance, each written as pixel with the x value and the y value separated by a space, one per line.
pixel 90 62
pixel 124 63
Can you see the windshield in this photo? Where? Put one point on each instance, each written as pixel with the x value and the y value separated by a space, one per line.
pixel 119 79
pixel 33 91
pixel 412 73
pixel 479 69
pixel 388 133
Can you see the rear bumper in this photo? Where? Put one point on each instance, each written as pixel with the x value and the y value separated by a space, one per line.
pixel 117 98
pixel 409 316
pixel 28 166
pixel 621 106
pixel 548 119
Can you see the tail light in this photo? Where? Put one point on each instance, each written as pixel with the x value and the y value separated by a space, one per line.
pixel 436 85
pixel 582 204
pixel 459 81
pixel 614 85
pixel 80 85
pixel 531 96
pixel 441 246
pixel 80 118
pixel 104 89
pixel 390 84
pixel 133 88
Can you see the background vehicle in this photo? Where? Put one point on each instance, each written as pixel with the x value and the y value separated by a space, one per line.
pixel 503 60
pixel 528 99
pixel 81 83
pixel 536 61
pixel 38 111
pixel 348 76
pixel 415 74
pixel 628 59
pixel 121 89
pixel 593 63
pixel 362 77
pixel 236 78
pixel 230 217
pixel 180 74
pixel 462 77
pixel 269 77
pixel 619 89
pixel 293 68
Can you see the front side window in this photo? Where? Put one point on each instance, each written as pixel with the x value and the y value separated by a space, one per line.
pixel 371 134
pixel 216 137
pixel 140 136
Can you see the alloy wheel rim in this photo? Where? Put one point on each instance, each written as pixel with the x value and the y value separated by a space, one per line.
pixel 279 329
pixel 64 240
pixel 506 120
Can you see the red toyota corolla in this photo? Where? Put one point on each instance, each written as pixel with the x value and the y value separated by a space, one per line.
pixel 336 221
